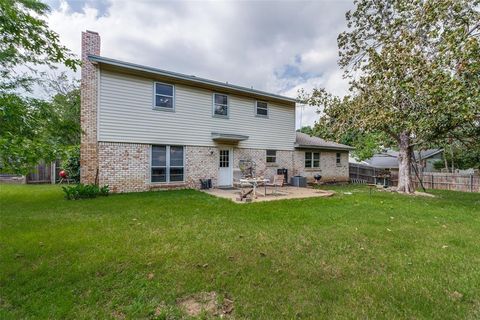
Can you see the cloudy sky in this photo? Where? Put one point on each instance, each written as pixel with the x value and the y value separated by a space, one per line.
pixel 276 46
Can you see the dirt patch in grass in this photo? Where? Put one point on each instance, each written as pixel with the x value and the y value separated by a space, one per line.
pixel 118 315
pixel 205 303
pixel 455 295
pixel 424 194
pixel 416 193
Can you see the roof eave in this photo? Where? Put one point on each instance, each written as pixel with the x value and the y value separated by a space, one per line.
pixel 190 79
pixel 432 154
pixel 303 146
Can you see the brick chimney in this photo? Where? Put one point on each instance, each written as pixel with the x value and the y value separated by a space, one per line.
pixel 88 109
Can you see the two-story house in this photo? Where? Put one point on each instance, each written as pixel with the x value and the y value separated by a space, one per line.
pixel 146 128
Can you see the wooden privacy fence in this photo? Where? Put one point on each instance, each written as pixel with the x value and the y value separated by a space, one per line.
pixel 44 173
pixel 362 173
pixel 431 180
pixel 449 181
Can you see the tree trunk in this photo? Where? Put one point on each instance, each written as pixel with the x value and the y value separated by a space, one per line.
pixel 451 153
pixel 405 183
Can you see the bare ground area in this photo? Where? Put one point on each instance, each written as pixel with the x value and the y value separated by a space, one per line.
pixel 281 194
pixel 208 303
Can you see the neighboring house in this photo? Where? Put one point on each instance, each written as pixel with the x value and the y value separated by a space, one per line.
pixel 333 158
pixel 389 160
pixel 146 128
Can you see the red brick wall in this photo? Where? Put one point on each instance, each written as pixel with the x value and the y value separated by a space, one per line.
pixel 88 109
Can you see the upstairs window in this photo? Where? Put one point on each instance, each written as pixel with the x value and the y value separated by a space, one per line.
pixel 220 105
pixel 312 159
pixel 271 156
pixel 164 96
pixel 339 158
pixel 261 109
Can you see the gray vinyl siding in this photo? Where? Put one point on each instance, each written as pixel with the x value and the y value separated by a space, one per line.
pixel 126 114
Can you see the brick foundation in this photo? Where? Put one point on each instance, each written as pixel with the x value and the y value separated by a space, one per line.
pixel 329 170
pixel 125 167
pixel 267 170
pixel 200 163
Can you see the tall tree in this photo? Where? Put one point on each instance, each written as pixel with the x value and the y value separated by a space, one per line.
pixel 414 70
pixel 26 41
pixel 307 130
pixel 27 124
pixel 34 129
pixel 65 104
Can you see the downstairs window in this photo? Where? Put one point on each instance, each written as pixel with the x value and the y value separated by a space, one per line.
pixel 312 159
pixel 271 156
pixel 167 164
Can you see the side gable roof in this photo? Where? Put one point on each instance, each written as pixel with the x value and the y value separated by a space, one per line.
pixel 136 69
pixel 304 141
pixel 389 158
pixel 424 154
pixel 383 161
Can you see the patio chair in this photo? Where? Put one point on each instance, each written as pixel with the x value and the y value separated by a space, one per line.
pixel 278 181
pixel 237 175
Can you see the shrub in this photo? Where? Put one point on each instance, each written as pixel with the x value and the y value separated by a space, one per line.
pixel 84 191
pixel 71 163
pixel 438 165
pixel 104 191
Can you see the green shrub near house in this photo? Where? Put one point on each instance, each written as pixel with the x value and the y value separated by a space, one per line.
pixel 84 191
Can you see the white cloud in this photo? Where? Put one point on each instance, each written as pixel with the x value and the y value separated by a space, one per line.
pixel 245 43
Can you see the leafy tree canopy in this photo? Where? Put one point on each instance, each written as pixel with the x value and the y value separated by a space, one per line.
pixel 307 130
pixel 30 129
pixel 27 41
pixel 414 70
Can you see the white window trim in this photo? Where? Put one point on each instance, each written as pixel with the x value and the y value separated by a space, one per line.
pixel 155 107
pixel 338 156
pixel 220 159
pixel 267 156
pixel 167 167
pixel 228 106
pixel 312 160
pixel 256 108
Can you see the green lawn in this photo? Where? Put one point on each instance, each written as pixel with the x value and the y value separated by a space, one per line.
pixel 349 256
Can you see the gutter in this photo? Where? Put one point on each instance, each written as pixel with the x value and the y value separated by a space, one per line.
pixel 302 146
pixel 189 78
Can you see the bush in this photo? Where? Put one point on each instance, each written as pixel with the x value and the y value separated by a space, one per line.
pixel 71 163
pixel 85 191
pixel 438 165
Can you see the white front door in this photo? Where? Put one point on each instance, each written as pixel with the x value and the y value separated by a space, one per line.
pixel 225 172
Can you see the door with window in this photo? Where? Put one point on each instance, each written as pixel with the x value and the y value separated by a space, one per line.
pixel 225 172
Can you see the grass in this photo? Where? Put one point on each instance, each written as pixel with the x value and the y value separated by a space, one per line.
pixel 350 256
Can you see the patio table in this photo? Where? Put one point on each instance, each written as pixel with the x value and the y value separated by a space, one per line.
pixel 255 182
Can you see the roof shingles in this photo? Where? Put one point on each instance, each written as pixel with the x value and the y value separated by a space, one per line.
pixel 305 141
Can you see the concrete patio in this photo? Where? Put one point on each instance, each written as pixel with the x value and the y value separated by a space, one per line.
pixel 286 192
